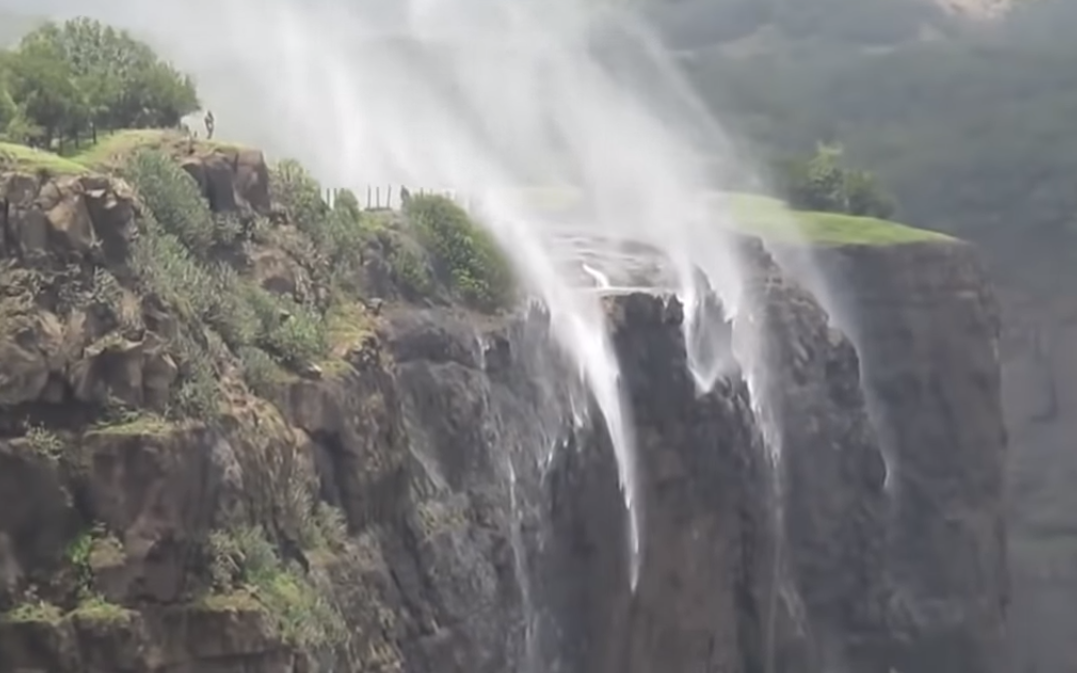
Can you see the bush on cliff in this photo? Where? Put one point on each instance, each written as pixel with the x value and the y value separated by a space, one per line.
pixel 465 255
pixel 434 246
pixel 174 199
pixel 295 189
pixel 174 260
pixel 244 563
pixel 339 233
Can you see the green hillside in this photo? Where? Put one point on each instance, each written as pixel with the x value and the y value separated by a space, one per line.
pixel 972 134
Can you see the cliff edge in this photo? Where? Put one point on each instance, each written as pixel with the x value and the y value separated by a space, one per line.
pixel 244 430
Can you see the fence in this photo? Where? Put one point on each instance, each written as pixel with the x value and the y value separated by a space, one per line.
pixel 390 197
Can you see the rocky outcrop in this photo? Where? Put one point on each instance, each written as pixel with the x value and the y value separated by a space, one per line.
pixel 441 496
pixel 62 308
pixel 231 178
pixel 927 329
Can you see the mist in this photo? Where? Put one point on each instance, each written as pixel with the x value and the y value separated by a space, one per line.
pixel 489 99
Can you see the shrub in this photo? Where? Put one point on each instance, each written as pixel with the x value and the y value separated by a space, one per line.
pixel 165 267
pixel 177 232
pixel 293 332
pixel 229 310
pixel 198 393
pixel 303 613
pixel 465 255
pixel 107 291
pixel 45 442
pixel 347 202
pixel 227 228
pixel 822 183
pixel 411 271
pixel 339 233
pixel 34 611
pixel 174 198
pixel 96 609
pixel 260 370
pixel 294 189
pixel 864 196
pixel 299 337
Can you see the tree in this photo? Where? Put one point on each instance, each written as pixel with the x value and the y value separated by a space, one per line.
pixel 864 196
pixel 125 82
pixel 155 96
pixel 83 76
pixel 8 109
pixel 42 86
pixel 822 183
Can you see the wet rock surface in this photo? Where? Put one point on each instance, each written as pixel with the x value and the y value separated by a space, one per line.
pixel 834 502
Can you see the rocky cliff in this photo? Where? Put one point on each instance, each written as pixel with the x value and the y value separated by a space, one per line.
pixel 927 329
pixel 429 491
pixel 1039 369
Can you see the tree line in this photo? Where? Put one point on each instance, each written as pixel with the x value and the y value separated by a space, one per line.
pixel 67 82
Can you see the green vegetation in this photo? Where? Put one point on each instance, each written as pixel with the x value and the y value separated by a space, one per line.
pixel 135 424
pixel 239 302
pixel 971 133
pixel 822 183
pixel 338 234
pixel 248 572
pixel 97 609
pixel 30 160
pixel 82 553
pixel 180 258
pixel 109 152
pixel 176 202
pixel 45 442
pixel 174 259
pixel 34 611
pixel 78 557
pixel 772 220
pixel 71 81
pixel 465 255
pixel 89 549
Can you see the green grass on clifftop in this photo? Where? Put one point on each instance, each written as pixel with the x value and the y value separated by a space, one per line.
pixel 114 148
pixel 770 219
pixel 109 152
pixel 23 158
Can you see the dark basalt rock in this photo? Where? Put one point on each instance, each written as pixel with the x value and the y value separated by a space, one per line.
pixel 833 503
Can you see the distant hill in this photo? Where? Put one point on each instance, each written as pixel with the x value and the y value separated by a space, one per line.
pixel 695 24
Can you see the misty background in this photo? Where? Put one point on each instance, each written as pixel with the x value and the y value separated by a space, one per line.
pixel 963 109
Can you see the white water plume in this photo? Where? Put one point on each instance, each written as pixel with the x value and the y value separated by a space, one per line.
pixel 601 279
pixel 484 97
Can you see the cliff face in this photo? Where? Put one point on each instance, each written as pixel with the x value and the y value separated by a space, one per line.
pixel 441 497
pixel 1039 370
pixel 927 328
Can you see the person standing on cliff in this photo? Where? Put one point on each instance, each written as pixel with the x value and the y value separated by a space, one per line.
pixel 210 123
